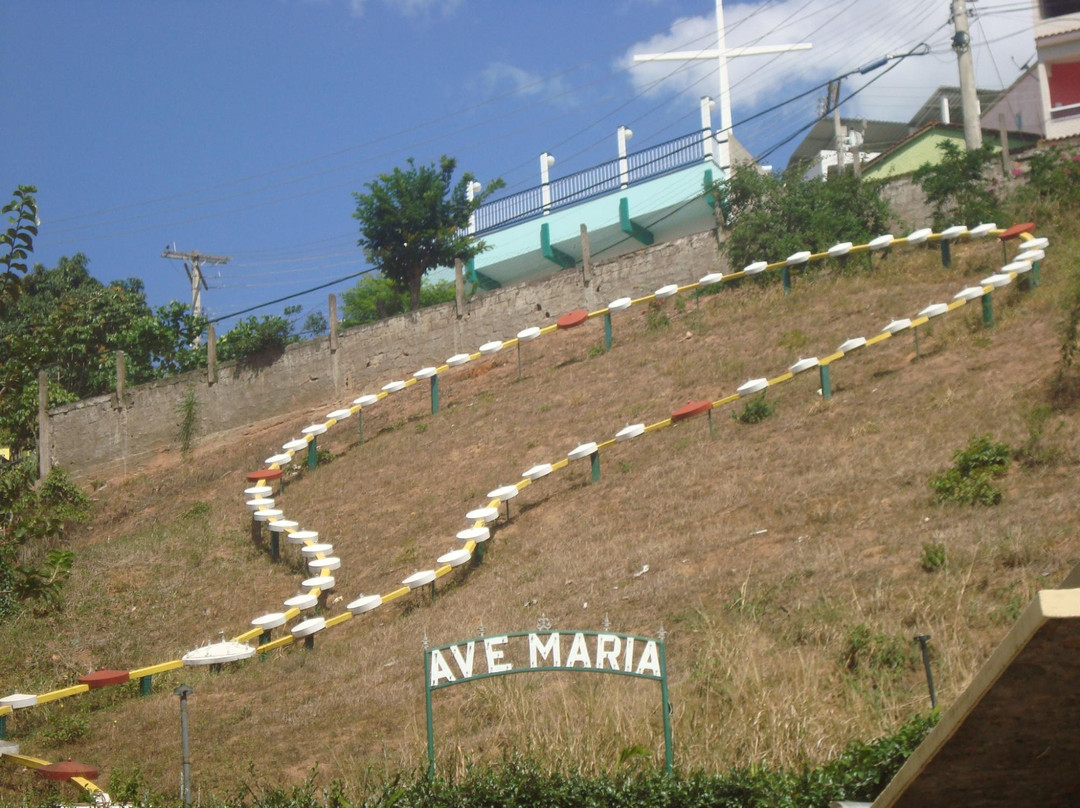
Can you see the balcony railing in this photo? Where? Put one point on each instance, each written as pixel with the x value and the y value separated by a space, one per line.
pixel 1064 111
pixel 595 181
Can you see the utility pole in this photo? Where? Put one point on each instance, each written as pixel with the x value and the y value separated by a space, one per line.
pixel 832 101
pixel 194 272
pixel 969 99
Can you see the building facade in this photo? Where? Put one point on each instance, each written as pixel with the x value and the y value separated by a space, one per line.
pixel 1057 43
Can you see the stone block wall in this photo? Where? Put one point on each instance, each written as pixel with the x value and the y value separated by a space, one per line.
pixel 106 436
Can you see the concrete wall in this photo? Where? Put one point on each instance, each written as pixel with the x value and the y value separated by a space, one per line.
pixel 106 436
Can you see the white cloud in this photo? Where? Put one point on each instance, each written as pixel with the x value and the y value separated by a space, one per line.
pixel 500 77
pixel 843 38
pixel 409 8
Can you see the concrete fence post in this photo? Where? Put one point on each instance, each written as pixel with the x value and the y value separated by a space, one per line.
pixel 459 287
pixel 44 432
pixel 211 354
pixel 1006 156
pixel 586 257
pixel 121 378
pixel 333 323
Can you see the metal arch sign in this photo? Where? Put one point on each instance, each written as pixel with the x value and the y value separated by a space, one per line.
pixel 537 651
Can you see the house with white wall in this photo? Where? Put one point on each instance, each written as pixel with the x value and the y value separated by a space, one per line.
pixel 1057 45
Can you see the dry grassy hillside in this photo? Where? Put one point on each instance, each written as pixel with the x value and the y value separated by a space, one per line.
pixel 784 558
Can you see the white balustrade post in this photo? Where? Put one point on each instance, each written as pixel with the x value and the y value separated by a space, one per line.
pixel 470 194
pixel 708 142
pixel 546 162
pixel 625 133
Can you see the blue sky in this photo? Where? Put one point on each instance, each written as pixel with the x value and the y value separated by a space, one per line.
pixel 241 128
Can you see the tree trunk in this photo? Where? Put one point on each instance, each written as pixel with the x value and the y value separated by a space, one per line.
pixel 414 290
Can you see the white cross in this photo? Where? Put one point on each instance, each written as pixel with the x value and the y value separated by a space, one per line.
pixel 721 54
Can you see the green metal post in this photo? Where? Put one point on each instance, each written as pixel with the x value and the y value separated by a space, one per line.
pixel 256 530
pixel 1035 280
pixel 264 638
pixel 826 382
pixel 435 394
pixel 709 413
pixel 507 510
pixel 360 423
pixel 312 454
pixel 607 331
pixel 146 685
pixel 595 457
pixel 309 642
pixel 427 706
pixel 3 727
pixel 785 277
pixel 987 311
pixel 665 708
pixel 478 553
pixel 275 545
pixel 946 254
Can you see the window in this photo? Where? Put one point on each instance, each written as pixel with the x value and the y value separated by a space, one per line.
pixel 1057 8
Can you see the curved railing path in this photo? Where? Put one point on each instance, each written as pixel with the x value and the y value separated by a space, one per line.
pixel 319 555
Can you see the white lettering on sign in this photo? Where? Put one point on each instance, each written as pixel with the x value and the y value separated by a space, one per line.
pixel 586 652
pixel 439 669
pixel 579 652
pixel 495 654
pixel 464 665
pixel 607 648
pixel 650 660
pixel 544 650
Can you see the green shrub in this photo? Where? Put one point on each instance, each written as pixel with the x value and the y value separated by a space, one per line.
pixel 64 729
pixel 41 585
pixel 1053 176
pixel 934 557
pixel 254 336
pixel 770 216
pixel 875 652
pixel 755 410
pixel 1065 383
pixel 957 187
pixel 375 298
pixel 188 410
pixel 1035 451
pixel 971 479
pixel 655 318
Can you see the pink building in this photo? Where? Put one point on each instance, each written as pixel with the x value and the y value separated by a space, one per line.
pixel 1057 42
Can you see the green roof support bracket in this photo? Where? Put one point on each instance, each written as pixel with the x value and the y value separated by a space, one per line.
pixel 707 184
pixel 630 227
pixel 553 254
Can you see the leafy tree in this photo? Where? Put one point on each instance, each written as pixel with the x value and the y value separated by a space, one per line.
pixel 957 187
pixel 17 242
pixel 37 517
pixel 414 220
pixel 67 321
pixel 253 335
pixel 375 297
pixel 771 217
pixel 315 324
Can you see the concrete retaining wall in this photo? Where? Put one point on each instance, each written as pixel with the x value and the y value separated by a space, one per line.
pixel 106 436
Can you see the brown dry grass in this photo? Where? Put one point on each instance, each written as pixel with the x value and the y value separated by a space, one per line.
pixel 766 545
